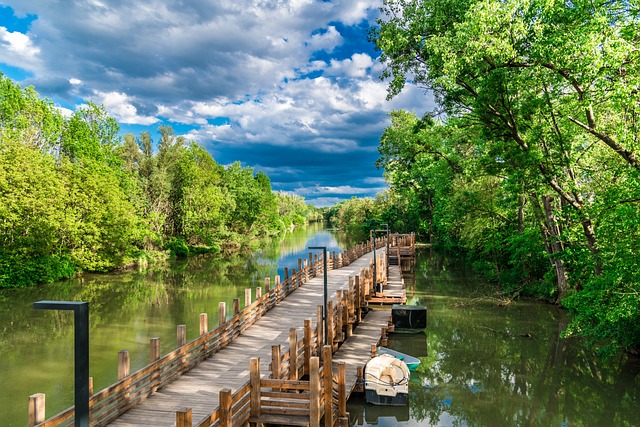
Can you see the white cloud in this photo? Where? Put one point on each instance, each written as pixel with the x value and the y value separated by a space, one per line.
pixel 17 49
pixel 358 66
pixel 120 106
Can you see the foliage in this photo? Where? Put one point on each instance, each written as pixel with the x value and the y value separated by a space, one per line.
pixel 533 171
pixel 75 196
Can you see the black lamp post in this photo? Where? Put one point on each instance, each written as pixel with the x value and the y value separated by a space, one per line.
pixel 324 312
pixel 80 353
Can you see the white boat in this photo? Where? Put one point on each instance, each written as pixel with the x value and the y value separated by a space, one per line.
pixel 386 381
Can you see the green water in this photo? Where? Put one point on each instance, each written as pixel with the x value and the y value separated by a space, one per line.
pixel 485 364
pixel 126 310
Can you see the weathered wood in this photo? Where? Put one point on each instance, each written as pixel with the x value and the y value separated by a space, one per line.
pixel 124 364
pixel 184 418
pixel 181 335
pixel 36 409
pixel 342 389
pixel 315 411
pixel 111 402
pixel 247 297
pixel 254 380
pixel 236 306
pixel 307 345
pixel 154 349
pixel 293 354
pixel 327 377
pixel 275 361
pixel 204 323
pixel 222 313
pixel 226 413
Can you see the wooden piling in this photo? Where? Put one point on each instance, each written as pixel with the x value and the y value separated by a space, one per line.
pixel 222 313
pixel 124 364
pixel 204 323
pixel 307 345
pixel 275 361
pixel 247 297
pixel 36 409
pixel 154 349
pixel 181 335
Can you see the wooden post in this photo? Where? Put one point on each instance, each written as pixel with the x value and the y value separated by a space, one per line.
pixel 293 354
pixel 360 380
pixel 373 350
pixel 314 392
pixel 300 271
pixel 204 323
pixel 383 334
pixel 236 306
pixel 247 297
pixel 286 274
pixel 222 313
pixel 307 344
pixel 319 328
pixel 342 390
pixel 330 327
pixel 254 381
pixel 339 317
pixel 267 284
pixel 327 376
pixel 154 346
pixel 90 386
pixel 124 364
pixel 258 292
pixel 36 409
pixel 226 410
pixel 277 281
pixel 154 354
pixel 275 361
pixel 310 265
pixel 359 299
pixel 184 418
pixel 181 335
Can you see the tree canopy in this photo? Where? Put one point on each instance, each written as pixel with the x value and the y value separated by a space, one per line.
pixel 530 166
pixel 76 195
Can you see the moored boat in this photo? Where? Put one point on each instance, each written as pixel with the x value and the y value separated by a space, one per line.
pixel 386 381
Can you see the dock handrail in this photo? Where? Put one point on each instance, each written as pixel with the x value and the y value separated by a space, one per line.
pixel 112 401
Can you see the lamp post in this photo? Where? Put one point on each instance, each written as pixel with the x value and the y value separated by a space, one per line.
pixel 80 353
pixel 324 311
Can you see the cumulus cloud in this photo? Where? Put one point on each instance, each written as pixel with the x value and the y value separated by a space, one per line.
pixel 17 49
pixel 289 87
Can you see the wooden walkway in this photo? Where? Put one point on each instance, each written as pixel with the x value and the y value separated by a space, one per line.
pixel 199 388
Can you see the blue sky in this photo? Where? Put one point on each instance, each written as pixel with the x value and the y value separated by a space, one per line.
pixel 288 87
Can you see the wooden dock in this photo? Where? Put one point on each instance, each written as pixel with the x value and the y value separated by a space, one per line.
pixel 239 373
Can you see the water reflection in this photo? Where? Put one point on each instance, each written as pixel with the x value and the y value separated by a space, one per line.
pixel 126 310
pixel 492 365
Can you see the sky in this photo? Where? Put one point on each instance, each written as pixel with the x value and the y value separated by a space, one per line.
pixel 287 87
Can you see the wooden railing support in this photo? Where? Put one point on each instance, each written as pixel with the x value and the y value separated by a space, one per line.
pixel 36 409
pixel 307 345
pixel 327 377
pixel 124 364
pixel 184 418
pixel 181 335
pixel 226 410
pixel 247 297
pixel 293 354
pixel 154 349
pixel 275 361
pixel 342 390
pixel 204 323
pixel 222 313
pixel 254 381
pixel 315 412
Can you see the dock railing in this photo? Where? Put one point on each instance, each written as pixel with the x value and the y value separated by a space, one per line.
pixel 131 388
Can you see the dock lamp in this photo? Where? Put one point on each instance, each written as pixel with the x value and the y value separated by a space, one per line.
pixel 324 312
pixel 80 352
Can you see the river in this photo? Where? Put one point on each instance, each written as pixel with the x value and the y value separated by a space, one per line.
pixel 488 364
pixel 126 310
pixel 482 364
